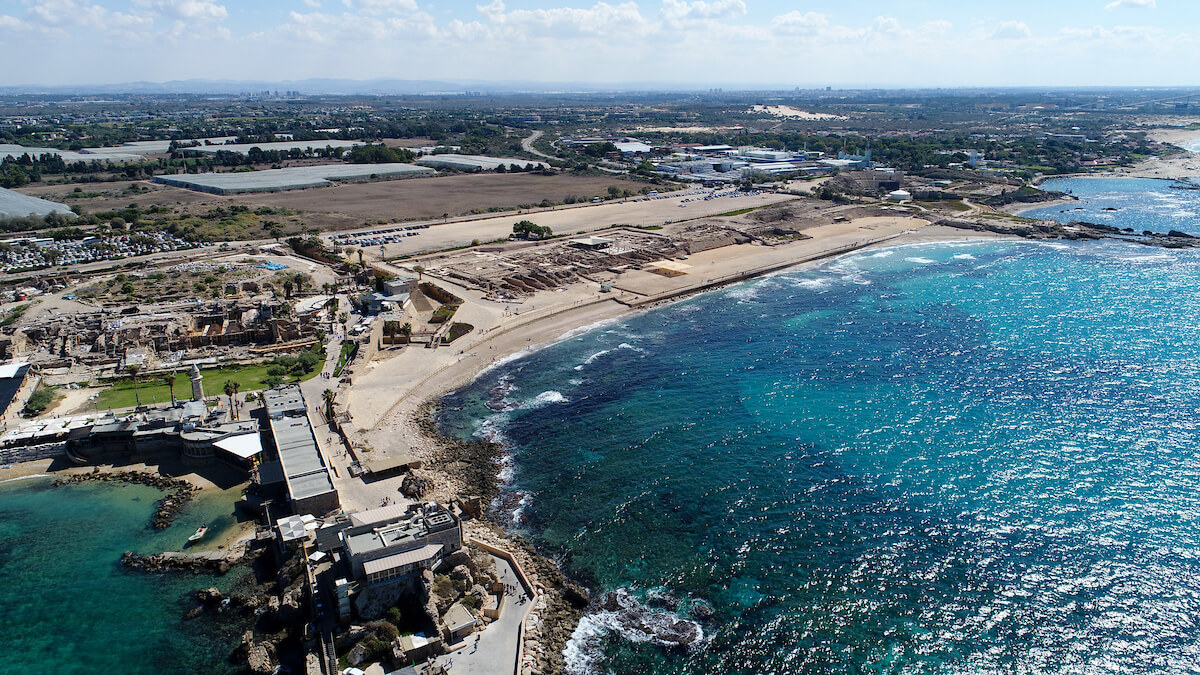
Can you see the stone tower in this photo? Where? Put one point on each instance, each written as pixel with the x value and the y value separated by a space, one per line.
pixel 197 384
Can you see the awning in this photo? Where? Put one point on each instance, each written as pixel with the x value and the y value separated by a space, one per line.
pixel 244 446
pixel 416 555
pixel 291 528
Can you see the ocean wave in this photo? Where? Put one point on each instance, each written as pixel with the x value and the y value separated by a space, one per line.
pixel 30 476
pixel 518 355
pixel 618 612
pixel 920 261
pixel 963 256
pixel 543 399
pixel 588 361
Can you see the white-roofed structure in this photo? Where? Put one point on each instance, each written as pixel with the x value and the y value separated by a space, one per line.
pixel 309 484
pixel 291 528
pixel 243 446
pixel 135 151
pixel 473 162
pixel 16 205
pixel 292 178
pixel 396 542
pixel 632 147
pixel 279 146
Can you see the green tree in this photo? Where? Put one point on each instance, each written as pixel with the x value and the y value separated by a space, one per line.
pixel 328 396
pixel 169 378
pixel 231 389
pixel 133 373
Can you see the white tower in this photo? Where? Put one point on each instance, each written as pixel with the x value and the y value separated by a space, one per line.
pixel 197 384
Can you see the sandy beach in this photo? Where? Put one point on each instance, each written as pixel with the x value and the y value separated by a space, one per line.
pixel 386 398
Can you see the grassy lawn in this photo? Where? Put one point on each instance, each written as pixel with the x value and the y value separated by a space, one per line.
pixel 153 390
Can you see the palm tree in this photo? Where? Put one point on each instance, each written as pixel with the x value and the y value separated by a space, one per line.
pixel 327 396
pixel 169 378
pixel 406 331
pixel 419 269
pixel 230 390
pixel 360 258
pixel 133 373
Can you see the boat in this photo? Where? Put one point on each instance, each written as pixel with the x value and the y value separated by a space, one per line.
pixel 200 532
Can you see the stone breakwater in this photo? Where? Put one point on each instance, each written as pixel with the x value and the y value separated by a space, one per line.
pixel 175 562
pixel 1074 231
pixel 180 492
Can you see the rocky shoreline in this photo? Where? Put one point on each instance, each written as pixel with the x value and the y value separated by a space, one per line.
pixel 1073 231
pixel 180 491
pixel 475 467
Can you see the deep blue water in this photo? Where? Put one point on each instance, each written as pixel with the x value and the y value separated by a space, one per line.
pixel 933 459
pixel 68 606
pixel 1138 203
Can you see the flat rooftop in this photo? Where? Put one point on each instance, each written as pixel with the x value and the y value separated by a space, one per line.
pixel 14 204
pixel 304 469
pixel 292 178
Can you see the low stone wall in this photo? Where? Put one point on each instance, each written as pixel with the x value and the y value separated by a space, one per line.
pixel 32 453
pixel 516 566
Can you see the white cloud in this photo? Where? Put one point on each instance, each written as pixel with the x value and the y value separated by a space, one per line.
pixel 800 23
pixel 1137 4
pixel 315 4
pixel 64 13
pixel 12 23
pixel 936 27
pixel 676 11
pixel 1011 30
pixel 355 29
pixel 380 7
pixel 602 20
pixel 187 10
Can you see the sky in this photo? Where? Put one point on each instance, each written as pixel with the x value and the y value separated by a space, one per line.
pixel 694 43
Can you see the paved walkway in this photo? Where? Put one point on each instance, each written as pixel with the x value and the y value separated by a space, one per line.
pixel 496 651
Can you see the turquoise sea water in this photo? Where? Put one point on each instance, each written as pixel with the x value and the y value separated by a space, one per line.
pixel 1137 203
pixel 68 606
pixel 950 458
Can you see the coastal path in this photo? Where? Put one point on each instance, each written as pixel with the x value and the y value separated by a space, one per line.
pixel 493 651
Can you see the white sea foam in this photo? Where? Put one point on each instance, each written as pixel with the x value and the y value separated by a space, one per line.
pixel 631 620
pixel 588 361
pixel 545 398
pixel 35 475
pixel 516 356
pixel 963 256
pixel 920 261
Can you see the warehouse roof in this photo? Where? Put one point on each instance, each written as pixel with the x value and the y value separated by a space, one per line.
pixel 292 178
pixel 473 162
pixel 15 204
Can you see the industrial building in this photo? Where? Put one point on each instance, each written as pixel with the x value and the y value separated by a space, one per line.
pixel 293 178
pixel 473 162
pixel 307 478
pixel 278 146
pixel 16 205
pixel 394 543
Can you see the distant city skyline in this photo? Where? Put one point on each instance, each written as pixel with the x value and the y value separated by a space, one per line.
pixel 701 43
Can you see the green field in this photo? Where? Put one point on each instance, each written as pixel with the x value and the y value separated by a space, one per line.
pixel 151 389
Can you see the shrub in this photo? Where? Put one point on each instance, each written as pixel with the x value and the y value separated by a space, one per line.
pixel 39 401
